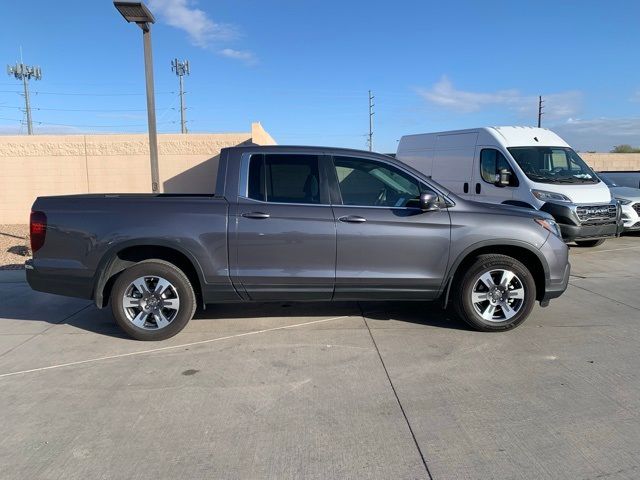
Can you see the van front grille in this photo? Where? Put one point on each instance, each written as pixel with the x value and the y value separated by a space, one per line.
pixel 596 214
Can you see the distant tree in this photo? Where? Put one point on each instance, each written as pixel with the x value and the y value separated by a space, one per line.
pixel 625 149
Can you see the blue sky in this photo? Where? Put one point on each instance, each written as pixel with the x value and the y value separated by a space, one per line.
pixel 304 68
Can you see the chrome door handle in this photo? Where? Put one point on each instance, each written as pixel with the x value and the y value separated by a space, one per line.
pixel 258 215
pixel 352 219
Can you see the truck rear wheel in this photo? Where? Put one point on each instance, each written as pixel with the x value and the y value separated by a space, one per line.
pixel 589 243
pixel 152 300
pixel 495 293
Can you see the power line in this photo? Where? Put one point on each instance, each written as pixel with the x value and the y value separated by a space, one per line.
pixel 37 92
pixel 84 125
pixel 76 109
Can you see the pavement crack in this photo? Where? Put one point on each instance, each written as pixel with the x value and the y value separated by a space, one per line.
pixel 395 393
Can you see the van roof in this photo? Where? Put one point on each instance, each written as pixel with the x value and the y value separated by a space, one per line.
pixel 507 136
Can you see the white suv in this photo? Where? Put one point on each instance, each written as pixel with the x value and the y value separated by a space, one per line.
pixel 629 199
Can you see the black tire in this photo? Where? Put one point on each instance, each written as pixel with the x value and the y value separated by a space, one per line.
pixel 180 285
pixel 589 243
pixel 463 289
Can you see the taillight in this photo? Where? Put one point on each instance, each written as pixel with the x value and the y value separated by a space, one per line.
pixel 38 230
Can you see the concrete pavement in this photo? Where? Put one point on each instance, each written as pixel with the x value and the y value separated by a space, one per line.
pixel 372 390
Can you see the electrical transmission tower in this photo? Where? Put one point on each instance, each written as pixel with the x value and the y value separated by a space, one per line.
pixel 540 110
pixel 371 113
pixel 25 73
pixel 181 68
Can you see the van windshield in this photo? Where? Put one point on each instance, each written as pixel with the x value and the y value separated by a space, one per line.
pixel 553 165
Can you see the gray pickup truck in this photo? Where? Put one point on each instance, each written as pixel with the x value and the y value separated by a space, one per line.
pixel 296 224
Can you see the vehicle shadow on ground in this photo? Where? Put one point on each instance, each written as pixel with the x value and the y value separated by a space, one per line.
pixel 85 316
pixel 421 313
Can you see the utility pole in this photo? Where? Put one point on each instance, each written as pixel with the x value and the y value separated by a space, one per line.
pixel 540 107
pixel 371 113
pixel 25 73
pixel 181 68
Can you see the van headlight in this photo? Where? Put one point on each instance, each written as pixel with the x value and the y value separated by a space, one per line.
pixel 545 196
pixel 549 225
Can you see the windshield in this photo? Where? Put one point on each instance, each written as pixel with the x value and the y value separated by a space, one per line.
pixel 553 165
pixel 607 181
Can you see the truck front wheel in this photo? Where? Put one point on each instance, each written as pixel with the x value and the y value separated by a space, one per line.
pixel 495 293
pixel 152 300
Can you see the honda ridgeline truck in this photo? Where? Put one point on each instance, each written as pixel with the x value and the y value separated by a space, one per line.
pixel 523 166
pixel 296 224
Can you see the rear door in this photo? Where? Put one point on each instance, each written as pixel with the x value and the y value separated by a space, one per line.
pixel 387 247
pixel 284 240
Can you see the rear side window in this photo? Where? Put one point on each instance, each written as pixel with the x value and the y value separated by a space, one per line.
pixel 491 163
pixel 284 178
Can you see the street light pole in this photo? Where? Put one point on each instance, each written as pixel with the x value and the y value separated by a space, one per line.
pixel 138 13
pixel 151 109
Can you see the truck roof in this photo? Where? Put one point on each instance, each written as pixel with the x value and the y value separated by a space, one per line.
pixel 299 148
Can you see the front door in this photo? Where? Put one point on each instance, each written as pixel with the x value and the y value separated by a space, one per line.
pixel 486 188
pixel 284 235
pixel 387 246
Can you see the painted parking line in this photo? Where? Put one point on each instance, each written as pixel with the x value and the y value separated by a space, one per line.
pixel 171 347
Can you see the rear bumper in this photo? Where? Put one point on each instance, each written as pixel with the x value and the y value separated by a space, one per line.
pixel 50 280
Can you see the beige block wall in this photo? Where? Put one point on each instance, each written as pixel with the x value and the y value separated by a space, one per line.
pixel 38 165
pixel 32 166
pixel 612 161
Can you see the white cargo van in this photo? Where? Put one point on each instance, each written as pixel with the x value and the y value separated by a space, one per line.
pixel 521 166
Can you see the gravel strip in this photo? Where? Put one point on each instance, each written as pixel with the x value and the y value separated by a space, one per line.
pixel 14 246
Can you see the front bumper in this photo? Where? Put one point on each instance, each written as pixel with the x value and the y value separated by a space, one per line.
pixel 574 228
pixel 557 269
pixel 556 287
pixel 631 217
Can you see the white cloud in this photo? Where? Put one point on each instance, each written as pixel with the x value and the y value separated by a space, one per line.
pixel 556 105
pixel 243 55
pixel 201 29
pixel 599 134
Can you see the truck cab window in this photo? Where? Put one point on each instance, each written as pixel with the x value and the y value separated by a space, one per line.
pixel 284 178
pixel 367 183
pixel 492 161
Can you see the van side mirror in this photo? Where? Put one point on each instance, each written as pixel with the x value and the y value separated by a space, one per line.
pixel 503 178
pixel 428 202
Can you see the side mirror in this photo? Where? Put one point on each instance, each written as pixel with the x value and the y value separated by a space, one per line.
pixel 428 202
pixel 503 178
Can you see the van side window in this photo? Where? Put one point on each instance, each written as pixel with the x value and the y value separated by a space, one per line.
pixel 368 183
pixel 284 178
pixel 491 163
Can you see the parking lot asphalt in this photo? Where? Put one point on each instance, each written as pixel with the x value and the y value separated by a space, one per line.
pixel 346 390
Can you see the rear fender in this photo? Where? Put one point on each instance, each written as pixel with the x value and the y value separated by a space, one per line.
pixel 106 266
